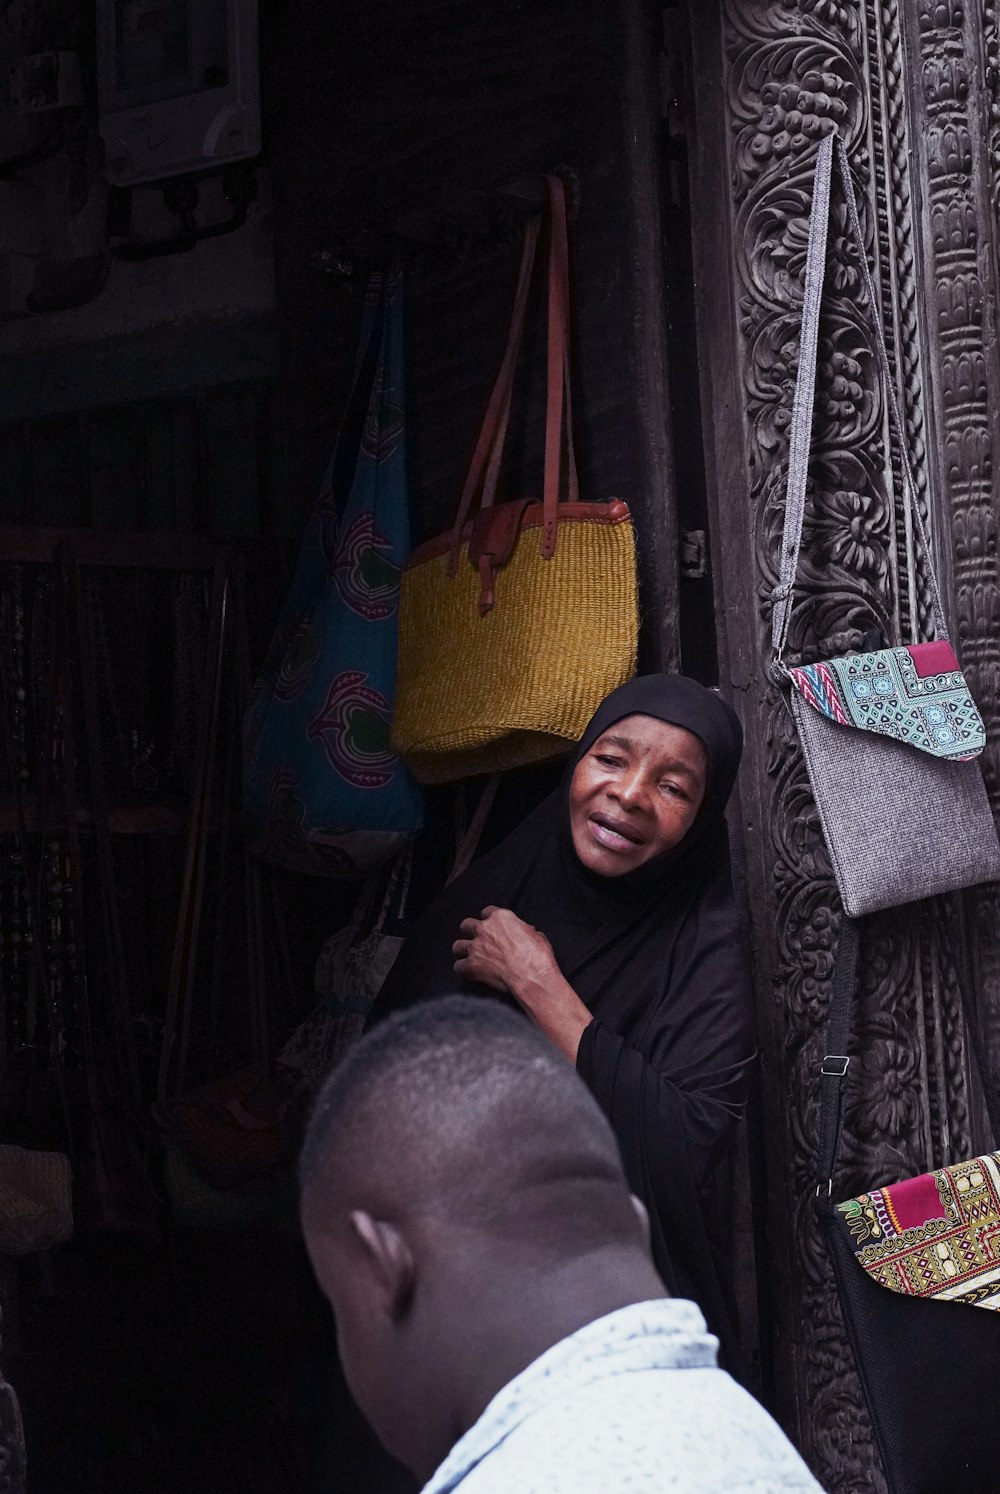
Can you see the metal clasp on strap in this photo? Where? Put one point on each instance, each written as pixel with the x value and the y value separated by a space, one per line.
pixel 835 1058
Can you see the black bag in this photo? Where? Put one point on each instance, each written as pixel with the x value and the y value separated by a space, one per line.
pixel 928 1367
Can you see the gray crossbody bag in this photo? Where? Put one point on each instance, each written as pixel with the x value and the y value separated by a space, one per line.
pixel 890 737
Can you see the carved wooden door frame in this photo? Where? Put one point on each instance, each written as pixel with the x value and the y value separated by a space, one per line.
pixel 914 90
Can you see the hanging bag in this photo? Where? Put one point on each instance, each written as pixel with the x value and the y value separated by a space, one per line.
pixel 355 961
pixel 323 790
pixel 36 1203
pixel 888 736
pixel 352 966
pixel 517 623
pixel 917 1267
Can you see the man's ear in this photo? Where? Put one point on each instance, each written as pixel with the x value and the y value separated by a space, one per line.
pixel 389 1260
pixel 642 1214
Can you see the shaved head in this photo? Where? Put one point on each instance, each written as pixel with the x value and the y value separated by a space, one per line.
pixel 464 1207
pixel 459 1109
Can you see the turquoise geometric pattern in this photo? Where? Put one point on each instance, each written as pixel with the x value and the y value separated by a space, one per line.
pixel 916 694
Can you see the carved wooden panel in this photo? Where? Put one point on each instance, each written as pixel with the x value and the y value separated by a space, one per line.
pixel 955 49
pixel 902 83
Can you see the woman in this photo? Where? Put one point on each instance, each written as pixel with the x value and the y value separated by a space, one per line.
pixel 609 917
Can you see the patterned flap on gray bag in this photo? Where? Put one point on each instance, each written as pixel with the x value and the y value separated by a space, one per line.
pixel 916 694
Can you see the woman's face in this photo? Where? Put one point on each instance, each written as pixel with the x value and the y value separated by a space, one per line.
pixel 635 794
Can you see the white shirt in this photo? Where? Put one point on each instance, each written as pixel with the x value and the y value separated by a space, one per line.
pixel 632 1402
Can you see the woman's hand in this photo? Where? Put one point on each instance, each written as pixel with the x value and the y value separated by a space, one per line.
pixel 500 950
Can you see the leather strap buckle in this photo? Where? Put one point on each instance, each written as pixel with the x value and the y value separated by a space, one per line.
pixel 835 1058
pixel 494 535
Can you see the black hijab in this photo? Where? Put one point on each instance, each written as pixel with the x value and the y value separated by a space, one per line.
pixel 656 956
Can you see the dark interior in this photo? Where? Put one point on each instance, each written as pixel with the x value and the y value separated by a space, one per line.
pixel 167 392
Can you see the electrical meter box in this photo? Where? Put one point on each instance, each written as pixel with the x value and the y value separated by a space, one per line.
pixel 178 86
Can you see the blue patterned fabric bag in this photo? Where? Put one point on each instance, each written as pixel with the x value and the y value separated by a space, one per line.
pixel 323 792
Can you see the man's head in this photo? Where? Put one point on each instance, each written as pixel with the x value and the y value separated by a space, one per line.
pixel 464 1207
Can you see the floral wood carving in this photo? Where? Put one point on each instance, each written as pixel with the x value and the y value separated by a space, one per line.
pixel 991 51
pixel 958 102
pixel 792 69
pixel 905 309
pixel 899 287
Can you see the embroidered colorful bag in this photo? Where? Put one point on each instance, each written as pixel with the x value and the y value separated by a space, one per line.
pixel 323 790
pixel 517 623
pixel 911 1260
pixel 888 737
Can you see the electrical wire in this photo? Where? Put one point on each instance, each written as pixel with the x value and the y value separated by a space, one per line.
pixel 240 187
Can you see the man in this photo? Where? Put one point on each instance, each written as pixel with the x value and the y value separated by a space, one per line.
pixel 499 1320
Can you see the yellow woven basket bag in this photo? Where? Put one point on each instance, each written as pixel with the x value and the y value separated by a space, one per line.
pixel 516 624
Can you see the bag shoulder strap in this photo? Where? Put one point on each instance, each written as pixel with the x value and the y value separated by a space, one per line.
pixel 493 432
pixel 836 1060
pixel 558 408
pixel 487 458
pixel 336 484
pixel 800 430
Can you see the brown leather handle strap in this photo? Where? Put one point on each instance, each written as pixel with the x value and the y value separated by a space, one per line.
pixel 558 411
pixel 492 479
pixel 558 405
pixel 488 456
pixel 561 222
pixel 489 445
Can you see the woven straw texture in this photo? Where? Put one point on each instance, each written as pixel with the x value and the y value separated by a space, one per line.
pixel 483 694
pixel 36 1209
pixel 899 825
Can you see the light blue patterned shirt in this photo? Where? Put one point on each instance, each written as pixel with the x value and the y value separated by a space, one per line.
pixel 632 1402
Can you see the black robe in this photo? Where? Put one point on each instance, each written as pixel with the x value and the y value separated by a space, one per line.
pixel 656 956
